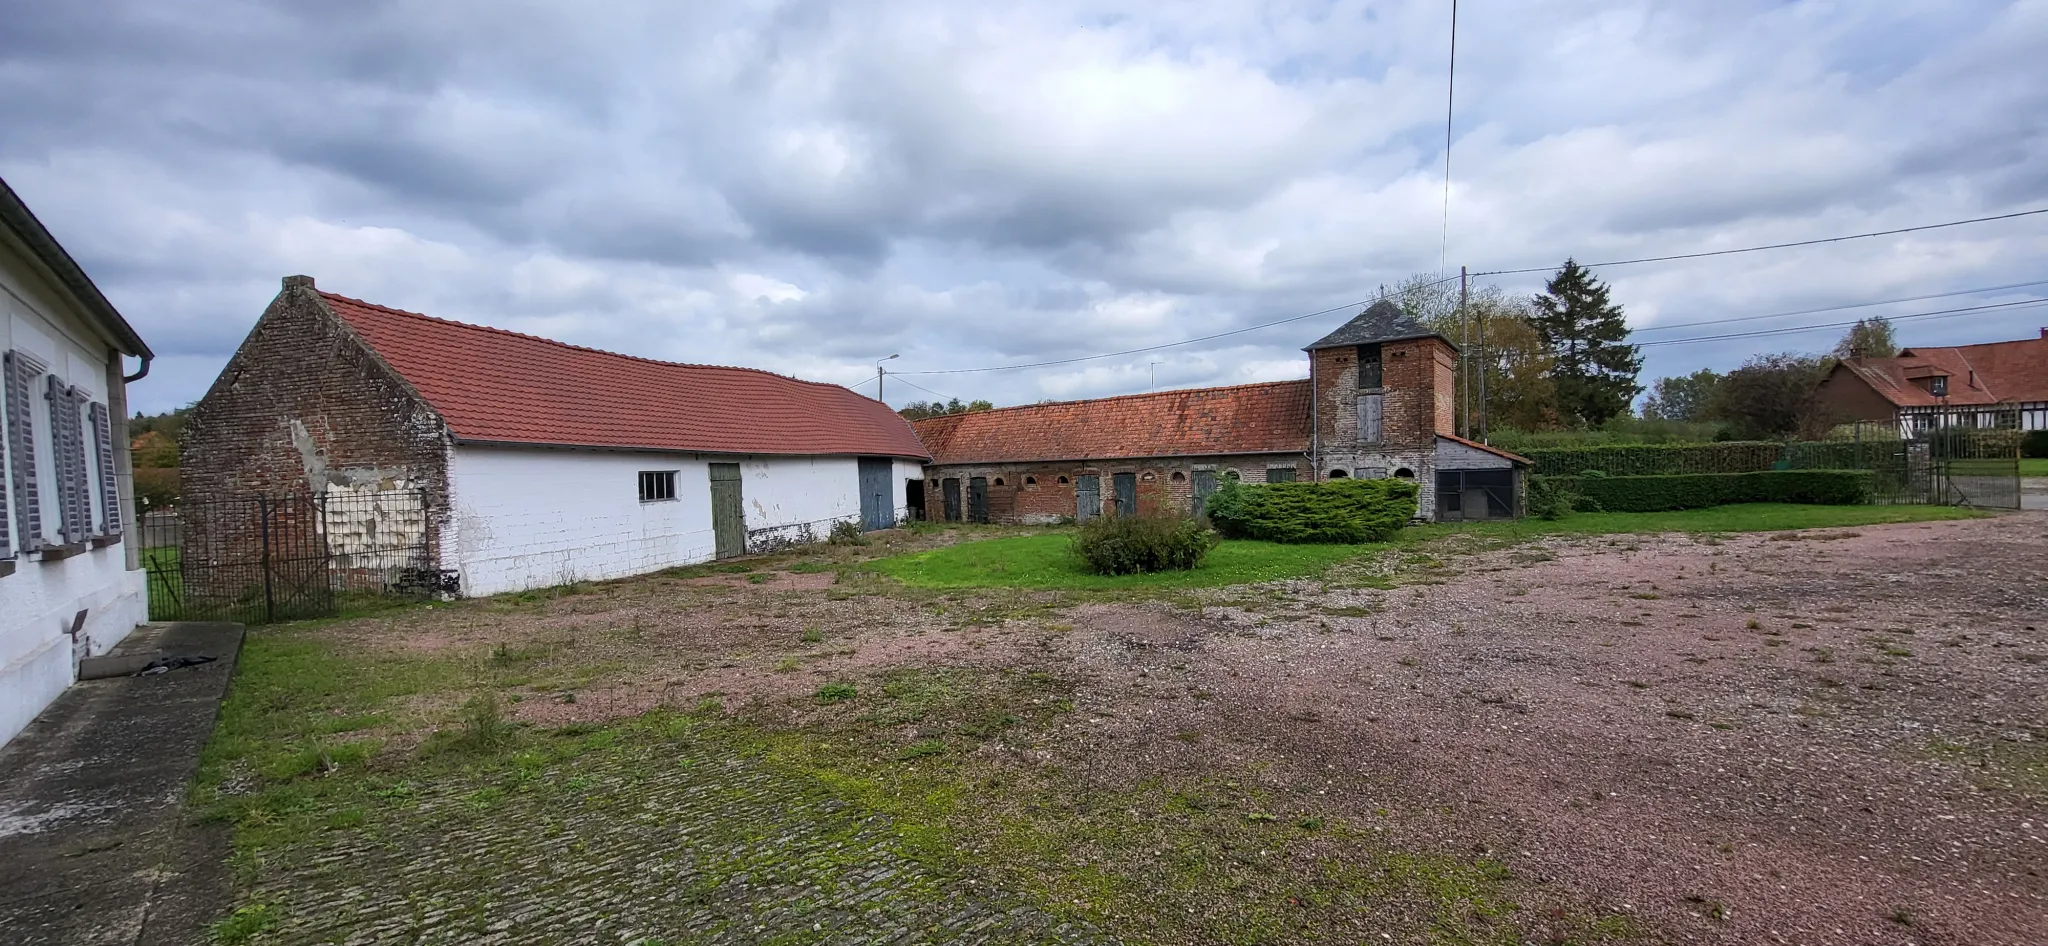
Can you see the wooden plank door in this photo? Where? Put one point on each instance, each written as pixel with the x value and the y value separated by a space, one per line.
pixel 728 516
pixel 1087 497
pixel 951 491
pixel 1205 483
pixel 1126 493
pixel 876 512
pixel 977 499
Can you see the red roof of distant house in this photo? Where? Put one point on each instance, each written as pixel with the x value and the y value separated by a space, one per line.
pixel 1246 418
pixel 1994 373
pixel 492 385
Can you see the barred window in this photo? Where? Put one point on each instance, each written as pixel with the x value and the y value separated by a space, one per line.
pixel 657 485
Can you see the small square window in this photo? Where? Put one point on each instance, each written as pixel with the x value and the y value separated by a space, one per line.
pixel 657 485
pixel 1938 386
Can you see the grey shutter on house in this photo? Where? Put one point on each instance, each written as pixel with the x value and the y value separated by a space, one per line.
pixel 63 433
pixel 18 369
pixel 103 451
pixel 6 521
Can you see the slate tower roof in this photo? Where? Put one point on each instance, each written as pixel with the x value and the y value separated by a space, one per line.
pixel 1383 321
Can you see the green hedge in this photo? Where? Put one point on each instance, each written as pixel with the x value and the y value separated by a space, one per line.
pixel 2034 444
pixel 1335 511
pixel 1700 490
pixel 1656 459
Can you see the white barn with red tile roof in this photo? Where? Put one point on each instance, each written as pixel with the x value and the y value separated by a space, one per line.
pixel 541 463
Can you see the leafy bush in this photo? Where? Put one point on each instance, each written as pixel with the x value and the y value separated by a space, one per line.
pixel 1129 545
pixel 1656 459
pixel 156 487
pixel 847 532
pixel 1553 498
pixel 2034 444
pixel 1700 490
pixel 1345 511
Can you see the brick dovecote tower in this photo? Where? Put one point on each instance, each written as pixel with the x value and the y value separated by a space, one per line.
pixel 1384 391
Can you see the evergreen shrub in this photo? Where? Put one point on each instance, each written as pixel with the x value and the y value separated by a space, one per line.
pixel 1336 511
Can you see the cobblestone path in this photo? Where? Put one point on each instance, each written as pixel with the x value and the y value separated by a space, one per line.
pixel 623 848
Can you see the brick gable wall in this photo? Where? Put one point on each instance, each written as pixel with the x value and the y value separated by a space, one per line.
pixel 304 406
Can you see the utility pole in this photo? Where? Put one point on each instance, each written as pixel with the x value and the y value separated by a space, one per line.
pixel 1155 374
pixel 878 376
pixel 1485 359
pixel 1464 355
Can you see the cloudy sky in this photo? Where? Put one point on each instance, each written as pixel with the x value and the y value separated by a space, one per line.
pixel 807 187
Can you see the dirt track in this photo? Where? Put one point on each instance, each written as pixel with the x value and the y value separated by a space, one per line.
pixel 1824 737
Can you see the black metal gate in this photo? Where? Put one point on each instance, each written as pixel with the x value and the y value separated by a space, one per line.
pixel 259 559
pixel 1955 466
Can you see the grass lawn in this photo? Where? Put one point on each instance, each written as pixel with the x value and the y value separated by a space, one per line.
pixel 2034 466
pixel 1042 560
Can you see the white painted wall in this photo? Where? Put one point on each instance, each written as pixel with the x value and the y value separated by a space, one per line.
pixel 904 471
pixel 531 518
pixel 38 657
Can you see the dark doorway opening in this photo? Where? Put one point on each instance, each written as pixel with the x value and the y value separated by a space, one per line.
pixel 977 499
pixel 1464 495
pixel 949 494
pixel 913 499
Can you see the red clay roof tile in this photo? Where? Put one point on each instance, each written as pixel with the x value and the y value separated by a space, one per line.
pixel 1978 375
pixel 1248 418
pixel 493 385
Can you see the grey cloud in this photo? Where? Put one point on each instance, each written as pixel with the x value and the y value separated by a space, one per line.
pixel 978 185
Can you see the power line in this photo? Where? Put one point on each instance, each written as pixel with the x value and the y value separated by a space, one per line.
pixel 926 390
pixel 1797 329
pixel 1184 341
pixel 1835 308
pixel 1450 103
pixel 1774 246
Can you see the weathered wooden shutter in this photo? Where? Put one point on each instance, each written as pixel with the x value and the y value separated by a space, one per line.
pixel 1370 414
pixel 103 451
pixel 63 446
pixel 18 370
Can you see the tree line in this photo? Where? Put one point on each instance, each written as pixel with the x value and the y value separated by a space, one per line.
pixel 1561 360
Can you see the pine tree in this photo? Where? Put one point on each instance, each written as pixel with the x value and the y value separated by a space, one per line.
pixel 1596 366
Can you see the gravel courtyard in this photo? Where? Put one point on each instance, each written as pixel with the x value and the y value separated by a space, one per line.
pixel 1831 736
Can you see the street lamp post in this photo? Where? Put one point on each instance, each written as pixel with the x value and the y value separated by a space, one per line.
pixel 879 373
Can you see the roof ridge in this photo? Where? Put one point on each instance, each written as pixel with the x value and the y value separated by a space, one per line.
pixel 1117 397
pixel 574 347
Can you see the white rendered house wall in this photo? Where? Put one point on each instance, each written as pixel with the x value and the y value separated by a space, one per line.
pixel 40 599
pixel 525 517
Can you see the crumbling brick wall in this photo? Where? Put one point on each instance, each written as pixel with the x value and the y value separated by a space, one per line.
pixel 304 407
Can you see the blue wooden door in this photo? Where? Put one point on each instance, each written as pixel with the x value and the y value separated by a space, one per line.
pixel 876 512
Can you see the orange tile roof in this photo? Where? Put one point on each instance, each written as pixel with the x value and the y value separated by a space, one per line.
pixel 1978 375
pixel 1247 418
pixel 491 385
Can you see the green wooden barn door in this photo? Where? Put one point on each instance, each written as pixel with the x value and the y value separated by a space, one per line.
pixel 728 517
